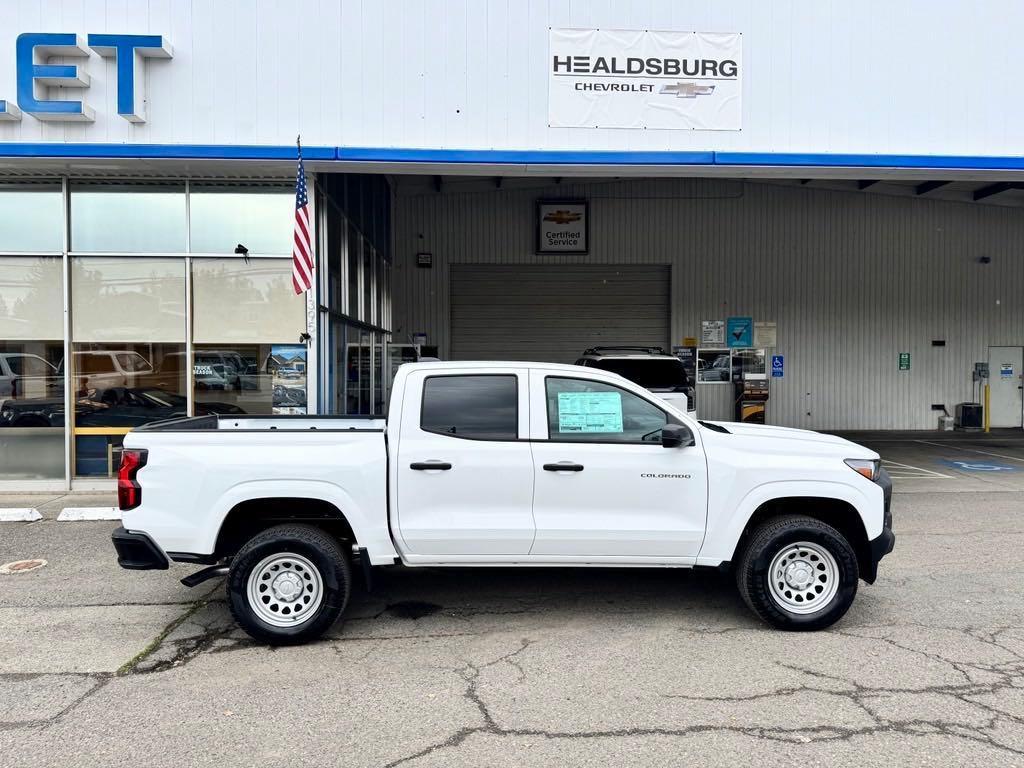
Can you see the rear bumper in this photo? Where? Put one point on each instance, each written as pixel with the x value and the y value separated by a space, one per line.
pixel 137 552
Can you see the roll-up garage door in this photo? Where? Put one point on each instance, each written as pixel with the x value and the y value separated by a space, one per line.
pixel 553 313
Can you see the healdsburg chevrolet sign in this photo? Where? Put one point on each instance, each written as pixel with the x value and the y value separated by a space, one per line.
pixel 608 78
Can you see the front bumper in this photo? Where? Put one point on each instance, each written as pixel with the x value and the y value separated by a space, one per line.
pixel 137 552
pixel 882 545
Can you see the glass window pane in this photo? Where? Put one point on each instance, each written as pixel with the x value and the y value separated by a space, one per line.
pixel 369 257
pixel 591 411
pixel 379 405
pixel 355 251
pixel 246 303
pixel 31 218
pixel 128 219
pixel 249 379
pixel 660 373
pixel 31 410
pixel 713 365
pixel 335 259
pixel 479 407
pixel 748 361
pixel 223 217
pixel 31 298
pixel 358 372
pixel 119 386
pixel 127 299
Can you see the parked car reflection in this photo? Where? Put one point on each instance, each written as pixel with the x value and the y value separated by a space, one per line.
pixel 110 407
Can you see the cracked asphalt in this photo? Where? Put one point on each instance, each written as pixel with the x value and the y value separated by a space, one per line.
pixel 532 667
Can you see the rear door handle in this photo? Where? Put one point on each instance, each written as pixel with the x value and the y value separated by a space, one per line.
pixel 421 465
pixel 564 466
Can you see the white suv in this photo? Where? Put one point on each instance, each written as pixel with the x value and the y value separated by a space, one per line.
pixel 651 368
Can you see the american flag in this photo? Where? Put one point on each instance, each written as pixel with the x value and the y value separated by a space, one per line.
pixel 302 251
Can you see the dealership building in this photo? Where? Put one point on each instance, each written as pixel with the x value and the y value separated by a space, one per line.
pixel 830 195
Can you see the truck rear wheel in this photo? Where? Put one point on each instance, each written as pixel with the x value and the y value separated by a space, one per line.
pixel 288 584
pixel 798 573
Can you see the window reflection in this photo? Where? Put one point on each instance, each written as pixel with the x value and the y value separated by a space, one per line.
pixel 31 218
pixel 127 298
pixel 125 218
pixel 222 217
pixel 239 302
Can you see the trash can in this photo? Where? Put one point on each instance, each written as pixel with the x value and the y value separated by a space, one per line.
pixel 968 416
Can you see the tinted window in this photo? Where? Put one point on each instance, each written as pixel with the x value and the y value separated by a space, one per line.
pixel 590 411
pixel 667 373
pixel 480 407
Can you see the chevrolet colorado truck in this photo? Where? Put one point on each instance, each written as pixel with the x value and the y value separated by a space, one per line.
pixel 500 464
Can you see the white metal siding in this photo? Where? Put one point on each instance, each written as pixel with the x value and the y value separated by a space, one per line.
pixel 852 279
pixel 915 76
pixel 551 314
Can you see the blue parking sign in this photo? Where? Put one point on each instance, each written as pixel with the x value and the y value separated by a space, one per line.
pixel 778 366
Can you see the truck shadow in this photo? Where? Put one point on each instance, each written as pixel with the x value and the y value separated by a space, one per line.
pixel 417 593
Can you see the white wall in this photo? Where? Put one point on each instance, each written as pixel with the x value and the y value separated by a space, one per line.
pixel 885 76
pixel 852 279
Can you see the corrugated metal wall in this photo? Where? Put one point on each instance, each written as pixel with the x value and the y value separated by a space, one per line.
pixel 852 279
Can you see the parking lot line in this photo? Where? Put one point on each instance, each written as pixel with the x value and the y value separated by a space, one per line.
pixel 907 471
pixel 89 513
pixel 972 450
pixel 19 515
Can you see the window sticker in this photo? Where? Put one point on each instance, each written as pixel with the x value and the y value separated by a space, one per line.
pixel 590 412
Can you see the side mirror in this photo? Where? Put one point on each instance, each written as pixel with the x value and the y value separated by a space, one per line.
pixel 675 436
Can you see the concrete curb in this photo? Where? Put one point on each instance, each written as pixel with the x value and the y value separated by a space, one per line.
pixel 19 515
pixel 69 514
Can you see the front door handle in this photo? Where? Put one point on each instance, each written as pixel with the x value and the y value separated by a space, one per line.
pixel 422 465
pixel 564 466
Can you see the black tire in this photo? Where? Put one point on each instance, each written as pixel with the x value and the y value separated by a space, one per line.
pixel 316 547
pixel 769 540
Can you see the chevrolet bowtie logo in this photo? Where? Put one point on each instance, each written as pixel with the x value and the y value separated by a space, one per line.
pixel 688 90
pixel 562 217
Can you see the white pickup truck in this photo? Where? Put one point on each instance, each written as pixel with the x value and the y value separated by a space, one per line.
pixel 501 464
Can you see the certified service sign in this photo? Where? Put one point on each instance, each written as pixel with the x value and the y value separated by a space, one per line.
pixel 562 226
pixel 608 78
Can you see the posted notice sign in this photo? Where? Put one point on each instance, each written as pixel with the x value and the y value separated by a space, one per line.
pixel 563 226
pixel 617 78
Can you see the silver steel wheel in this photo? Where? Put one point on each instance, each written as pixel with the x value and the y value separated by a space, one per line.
pixel 285 589
pixel 803 577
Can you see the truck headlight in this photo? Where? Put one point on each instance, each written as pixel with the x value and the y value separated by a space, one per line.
pixel 867 467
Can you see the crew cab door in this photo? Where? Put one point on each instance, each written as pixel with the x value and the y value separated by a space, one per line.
pixel 464 478
pixel 605 487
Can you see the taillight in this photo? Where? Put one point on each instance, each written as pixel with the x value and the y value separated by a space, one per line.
pixel 129 492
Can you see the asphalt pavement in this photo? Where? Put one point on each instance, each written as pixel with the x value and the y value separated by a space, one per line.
pixel 536 667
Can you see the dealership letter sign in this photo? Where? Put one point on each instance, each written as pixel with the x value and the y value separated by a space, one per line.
pixel 607 78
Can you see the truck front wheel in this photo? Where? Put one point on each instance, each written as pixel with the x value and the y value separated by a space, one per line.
pixel 798 573
pixel 288 584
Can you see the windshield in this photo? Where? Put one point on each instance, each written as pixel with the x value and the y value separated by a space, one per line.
pixel 29 365
pixel 650 373
pixel 133 362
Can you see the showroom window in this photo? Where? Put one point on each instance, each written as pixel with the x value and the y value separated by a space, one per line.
pixel 31 350
pixel 128 339
pixel 357 288
pixel 127 218
pixel 247 324
pixel 223 217
pixel 164 318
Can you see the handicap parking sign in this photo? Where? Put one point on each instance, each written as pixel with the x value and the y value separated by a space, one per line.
pixel 970 465
pixel 778 366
